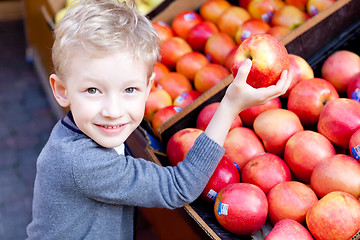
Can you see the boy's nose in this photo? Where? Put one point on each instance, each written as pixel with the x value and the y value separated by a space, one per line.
pixel 112 108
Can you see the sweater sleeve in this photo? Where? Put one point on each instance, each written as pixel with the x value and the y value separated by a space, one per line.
pixel 107 177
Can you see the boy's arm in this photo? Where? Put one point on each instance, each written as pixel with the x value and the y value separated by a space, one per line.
pixel 240 96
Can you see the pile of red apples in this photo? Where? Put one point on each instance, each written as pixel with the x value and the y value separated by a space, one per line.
pixel 292 163
pixel 197 46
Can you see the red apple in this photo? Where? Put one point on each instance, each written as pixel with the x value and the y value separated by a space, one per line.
pixel 218 46
pixel 304 150
pixel 241 145
pixel 335 216
pixel 313 7
pixel 339 68
pixel 353 90
pixel 308 98
pixel 175 84
pixel 300 70
pixel 340 173
pixel 186 98
pixel 190 63
pixel 172 49
pixel 250 27
pixel 289 229
pixel 224 174
pixel 164 30
pixel 157 99
pixel 160 70
pixel 338 120
pixel 301 4
pixel 248 116
pixel 162 116
pixel 209 75
pixel 265 170
pixel 290 200
pixel 278 31
pixel 241 208
pixel 269 58
pixel 200 33
pixel 211 10
pixel 231 19
pixel 264 9
pixel 275 127
pixel 354 145
pixel 289 16
pixel 180 143
pixel 184 21
pixel 206 114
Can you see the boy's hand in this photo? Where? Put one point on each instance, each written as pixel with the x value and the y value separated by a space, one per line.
pixel 240 96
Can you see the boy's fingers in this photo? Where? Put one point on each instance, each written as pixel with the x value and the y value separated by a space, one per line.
pixel 244 70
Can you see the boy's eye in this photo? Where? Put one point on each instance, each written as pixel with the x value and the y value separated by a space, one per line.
pixel 130 90
pixel 92 90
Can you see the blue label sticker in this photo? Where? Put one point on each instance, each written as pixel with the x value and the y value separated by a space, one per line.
pixel 237 166
pixel 355 151
pixel 356 94
pixel 223 209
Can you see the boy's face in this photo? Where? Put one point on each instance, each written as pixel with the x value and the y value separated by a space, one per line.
pixel 107 96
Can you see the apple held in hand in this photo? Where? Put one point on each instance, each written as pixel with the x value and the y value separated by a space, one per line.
pixel 308 98
pixel 180 143
pixel 340 173
pixel 269 58
pixel 304 150
pixel 289 229
pixel 292 200
pixel 335 216
pixel 338 120
pixel 224 174
pixel 241 208
pixel 265 171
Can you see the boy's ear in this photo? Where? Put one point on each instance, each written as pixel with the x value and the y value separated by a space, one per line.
pixel 59 90
pixel 151 82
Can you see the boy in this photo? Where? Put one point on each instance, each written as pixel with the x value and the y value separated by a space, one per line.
pixel 85 187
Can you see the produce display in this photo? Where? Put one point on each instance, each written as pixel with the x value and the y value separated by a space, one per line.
pixel 300 151
pixel 194 40
pixel 297 169
pixel 297 166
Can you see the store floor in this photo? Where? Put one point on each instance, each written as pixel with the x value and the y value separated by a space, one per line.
pixel 26 120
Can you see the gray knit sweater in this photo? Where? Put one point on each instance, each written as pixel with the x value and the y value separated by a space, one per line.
pixel 85 191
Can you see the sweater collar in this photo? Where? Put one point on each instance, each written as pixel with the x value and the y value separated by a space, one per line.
pixel 68 121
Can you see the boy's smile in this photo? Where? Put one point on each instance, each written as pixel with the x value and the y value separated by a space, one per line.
pixel 106 95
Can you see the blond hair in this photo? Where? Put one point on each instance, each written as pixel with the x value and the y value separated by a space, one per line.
pixel 101 27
